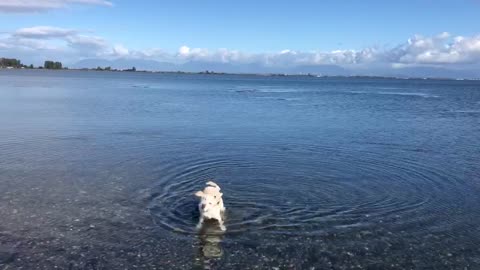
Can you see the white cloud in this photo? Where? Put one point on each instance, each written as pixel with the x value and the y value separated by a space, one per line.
pixel 91 2
pixel 51 38
pixel 43 32
pixel 32 44
pixel 91 44
pixel 120 50
pixel 283 58
pixel 228 56
pixel 184 51
pixel 59 42
pixel 151 52
pixel 25 6
pixel 440 49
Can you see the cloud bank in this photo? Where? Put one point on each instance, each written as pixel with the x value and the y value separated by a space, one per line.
pixel 442 49
pixel 69 45
pixel 28 6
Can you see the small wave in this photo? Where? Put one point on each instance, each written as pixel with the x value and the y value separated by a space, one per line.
pixel 72 138
pixel 246 91
pixel 413 94
pixel 265 89
pixel 281 98
pixel 466 111
pixel 461 113
pixel 146 86
pixel 417 94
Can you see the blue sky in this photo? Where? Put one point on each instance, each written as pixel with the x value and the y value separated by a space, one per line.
pixel 244 30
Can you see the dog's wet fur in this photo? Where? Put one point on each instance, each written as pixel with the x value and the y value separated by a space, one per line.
pixel 211 204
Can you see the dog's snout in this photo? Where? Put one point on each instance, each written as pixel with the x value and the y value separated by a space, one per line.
pixel 203 206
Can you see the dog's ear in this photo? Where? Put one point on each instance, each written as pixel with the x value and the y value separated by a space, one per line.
pixel 199 194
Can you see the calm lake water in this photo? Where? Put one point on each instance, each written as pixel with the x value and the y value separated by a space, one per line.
pixel 98 171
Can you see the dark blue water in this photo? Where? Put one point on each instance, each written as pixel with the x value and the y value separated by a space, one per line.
pixel 98 171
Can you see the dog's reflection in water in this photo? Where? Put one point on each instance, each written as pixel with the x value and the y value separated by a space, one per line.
pixel 211 236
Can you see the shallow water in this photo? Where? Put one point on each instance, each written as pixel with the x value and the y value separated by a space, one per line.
pixel 98 171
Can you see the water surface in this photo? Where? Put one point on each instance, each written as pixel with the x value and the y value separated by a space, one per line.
pixel 98 171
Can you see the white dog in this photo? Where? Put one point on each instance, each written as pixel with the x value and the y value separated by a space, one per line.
pixel 211 204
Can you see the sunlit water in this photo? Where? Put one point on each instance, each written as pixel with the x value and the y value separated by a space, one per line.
pixel 98 171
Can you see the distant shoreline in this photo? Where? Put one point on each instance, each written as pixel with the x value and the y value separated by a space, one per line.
pixel 247 74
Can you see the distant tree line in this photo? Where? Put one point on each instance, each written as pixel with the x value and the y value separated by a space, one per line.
pixel 52 65
pixel 106 68
pixel 10 62
pixel 15 63
pixel 110 69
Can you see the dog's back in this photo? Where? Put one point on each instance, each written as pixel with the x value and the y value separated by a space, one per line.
pixel 213 189
pixel 213 184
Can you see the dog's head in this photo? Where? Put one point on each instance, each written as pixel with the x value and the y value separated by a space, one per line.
pixel 208 201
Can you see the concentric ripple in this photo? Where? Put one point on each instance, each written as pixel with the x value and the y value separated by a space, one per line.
pixel 299 189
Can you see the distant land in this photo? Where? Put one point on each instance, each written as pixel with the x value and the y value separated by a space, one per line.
pixel 255 68
pixel 199 66
pixel 124 64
